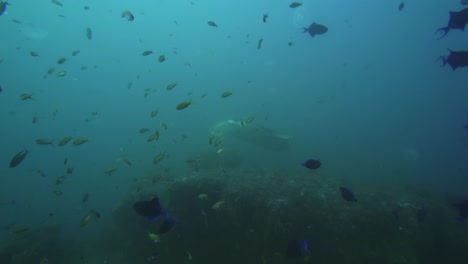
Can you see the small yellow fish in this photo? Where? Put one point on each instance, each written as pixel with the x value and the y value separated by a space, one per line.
pixel 217 205
pixel 24 97
pixel 218 141
pixel 61 60
pixel 110 170
pixel 153 137
pixel 162 58
pixel 203 196
pixel 61 73
pixel 153 237
pixel 159 157
pixel 154 113
pixel 20 229
pixel 183 105
pixel 80 141
pixel 171 86
pixel 51 70
pixel 219 151
pixel 86 219
pixel 127 162
pixel 44 141
pixel 64 141
pixel 226 94
pixel 128 15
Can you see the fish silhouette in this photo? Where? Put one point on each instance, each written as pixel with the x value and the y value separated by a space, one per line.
pixel 457 20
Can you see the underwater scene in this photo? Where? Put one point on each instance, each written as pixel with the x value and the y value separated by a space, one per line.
pixel 256 132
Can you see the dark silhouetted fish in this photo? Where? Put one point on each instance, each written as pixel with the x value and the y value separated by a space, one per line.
pixel 312 164
pixel 166 225
pixel 457 20
pixel 89 33
pixel 455 59
pixel 462 210
pixel 151 209
pixel 465 126
pixel 315 29
pixel 348 195
pixel 3 6
pixel 297 248
pixel 18 158
pixel 1 89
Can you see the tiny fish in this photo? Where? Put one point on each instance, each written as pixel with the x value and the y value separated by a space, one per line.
pixel 89 33
pixel 259 44
pixel 315 29
pixel 56 2
pixel 74 53
pixel 226 94
pixel 146 53
pixel 401 6
pixel 163 125
pixel 86 219
pixel 18 158
pixel 162 58
pixel 212 24
pixel 85 198
pixel 143 130
pixel 312 164
pixel 61 73
pixel 183 105
pixel 59 180
pixel 64 141
pixel 80 141
pixel 217 205
pixel 171 86
pixel 347 194
pixel 34 54
pixel 127 15
pixel 44 141
pixel 61 60
pixel 265 17
pixel 203 196
pixel 110 170
pixel 24 97
pixel 154 113
pixel 295 4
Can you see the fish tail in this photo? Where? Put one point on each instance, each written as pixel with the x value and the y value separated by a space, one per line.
pixel 444 30
pixel 305 29
pixel 444 61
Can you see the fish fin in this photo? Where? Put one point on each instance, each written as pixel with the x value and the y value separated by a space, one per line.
pixel 305 29
pixel 444 30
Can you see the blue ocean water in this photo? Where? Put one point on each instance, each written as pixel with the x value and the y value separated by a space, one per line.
pixel 368 98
